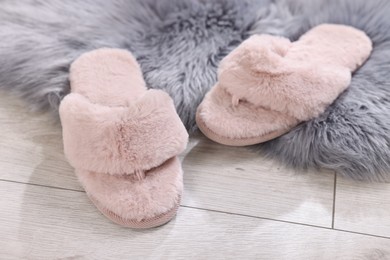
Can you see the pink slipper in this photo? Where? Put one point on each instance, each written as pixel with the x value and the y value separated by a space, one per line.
pixel 268 85
pixel 123 140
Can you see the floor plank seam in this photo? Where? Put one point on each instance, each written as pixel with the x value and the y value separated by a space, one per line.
pixel 359 233
pixel 287 222
pixel 40 185
pixel 220 212
pixel 258 217
pixel 334 200
pixel 185 206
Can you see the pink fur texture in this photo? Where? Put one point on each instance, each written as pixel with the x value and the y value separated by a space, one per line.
pixel 269 84
pixel 122 138
pixel 140 136
pixel 134 199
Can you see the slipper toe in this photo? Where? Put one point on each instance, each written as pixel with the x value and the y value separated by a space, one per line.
pixel 130 201
pixel 226 123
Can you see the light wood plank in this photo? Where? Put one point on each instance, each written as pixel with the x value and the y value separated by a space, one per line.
pixel 46 223
pixel 363 207
pixel 241 181
pixel 216 177
pixel 31 147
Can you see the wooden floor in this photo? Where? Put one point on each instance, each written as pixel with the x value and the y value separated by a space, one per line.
pixel 237 205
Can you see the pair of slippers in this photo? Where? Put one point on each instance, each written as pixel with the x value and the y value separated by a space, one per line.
pixel 123 139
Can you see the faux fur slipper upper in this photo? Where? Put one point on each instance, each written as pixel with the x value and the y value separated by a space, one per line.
pixel 123 140
pixel 268 84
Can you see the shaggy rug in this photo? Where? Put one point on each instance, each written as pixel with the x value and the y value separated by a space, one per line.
pixel 179 44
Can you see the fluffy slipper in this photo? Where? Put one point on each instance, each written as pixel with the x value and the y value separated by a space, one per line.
pixel 123 140
pixel 268 85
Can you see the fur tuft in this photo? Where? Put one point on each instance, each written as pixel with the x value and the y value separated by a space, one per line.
pixel 179 44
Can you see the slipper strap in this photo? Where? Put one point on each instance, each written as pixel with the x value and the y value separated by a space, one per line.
pixel 121 140
pixel 262 73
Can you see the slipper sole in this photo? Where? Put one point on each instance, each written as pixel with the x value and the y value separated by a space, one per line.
pixel 236 142
pixel 153 222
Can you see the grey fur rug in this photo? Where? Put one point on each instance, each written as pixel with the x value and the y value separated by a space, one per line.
pixel 179 44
